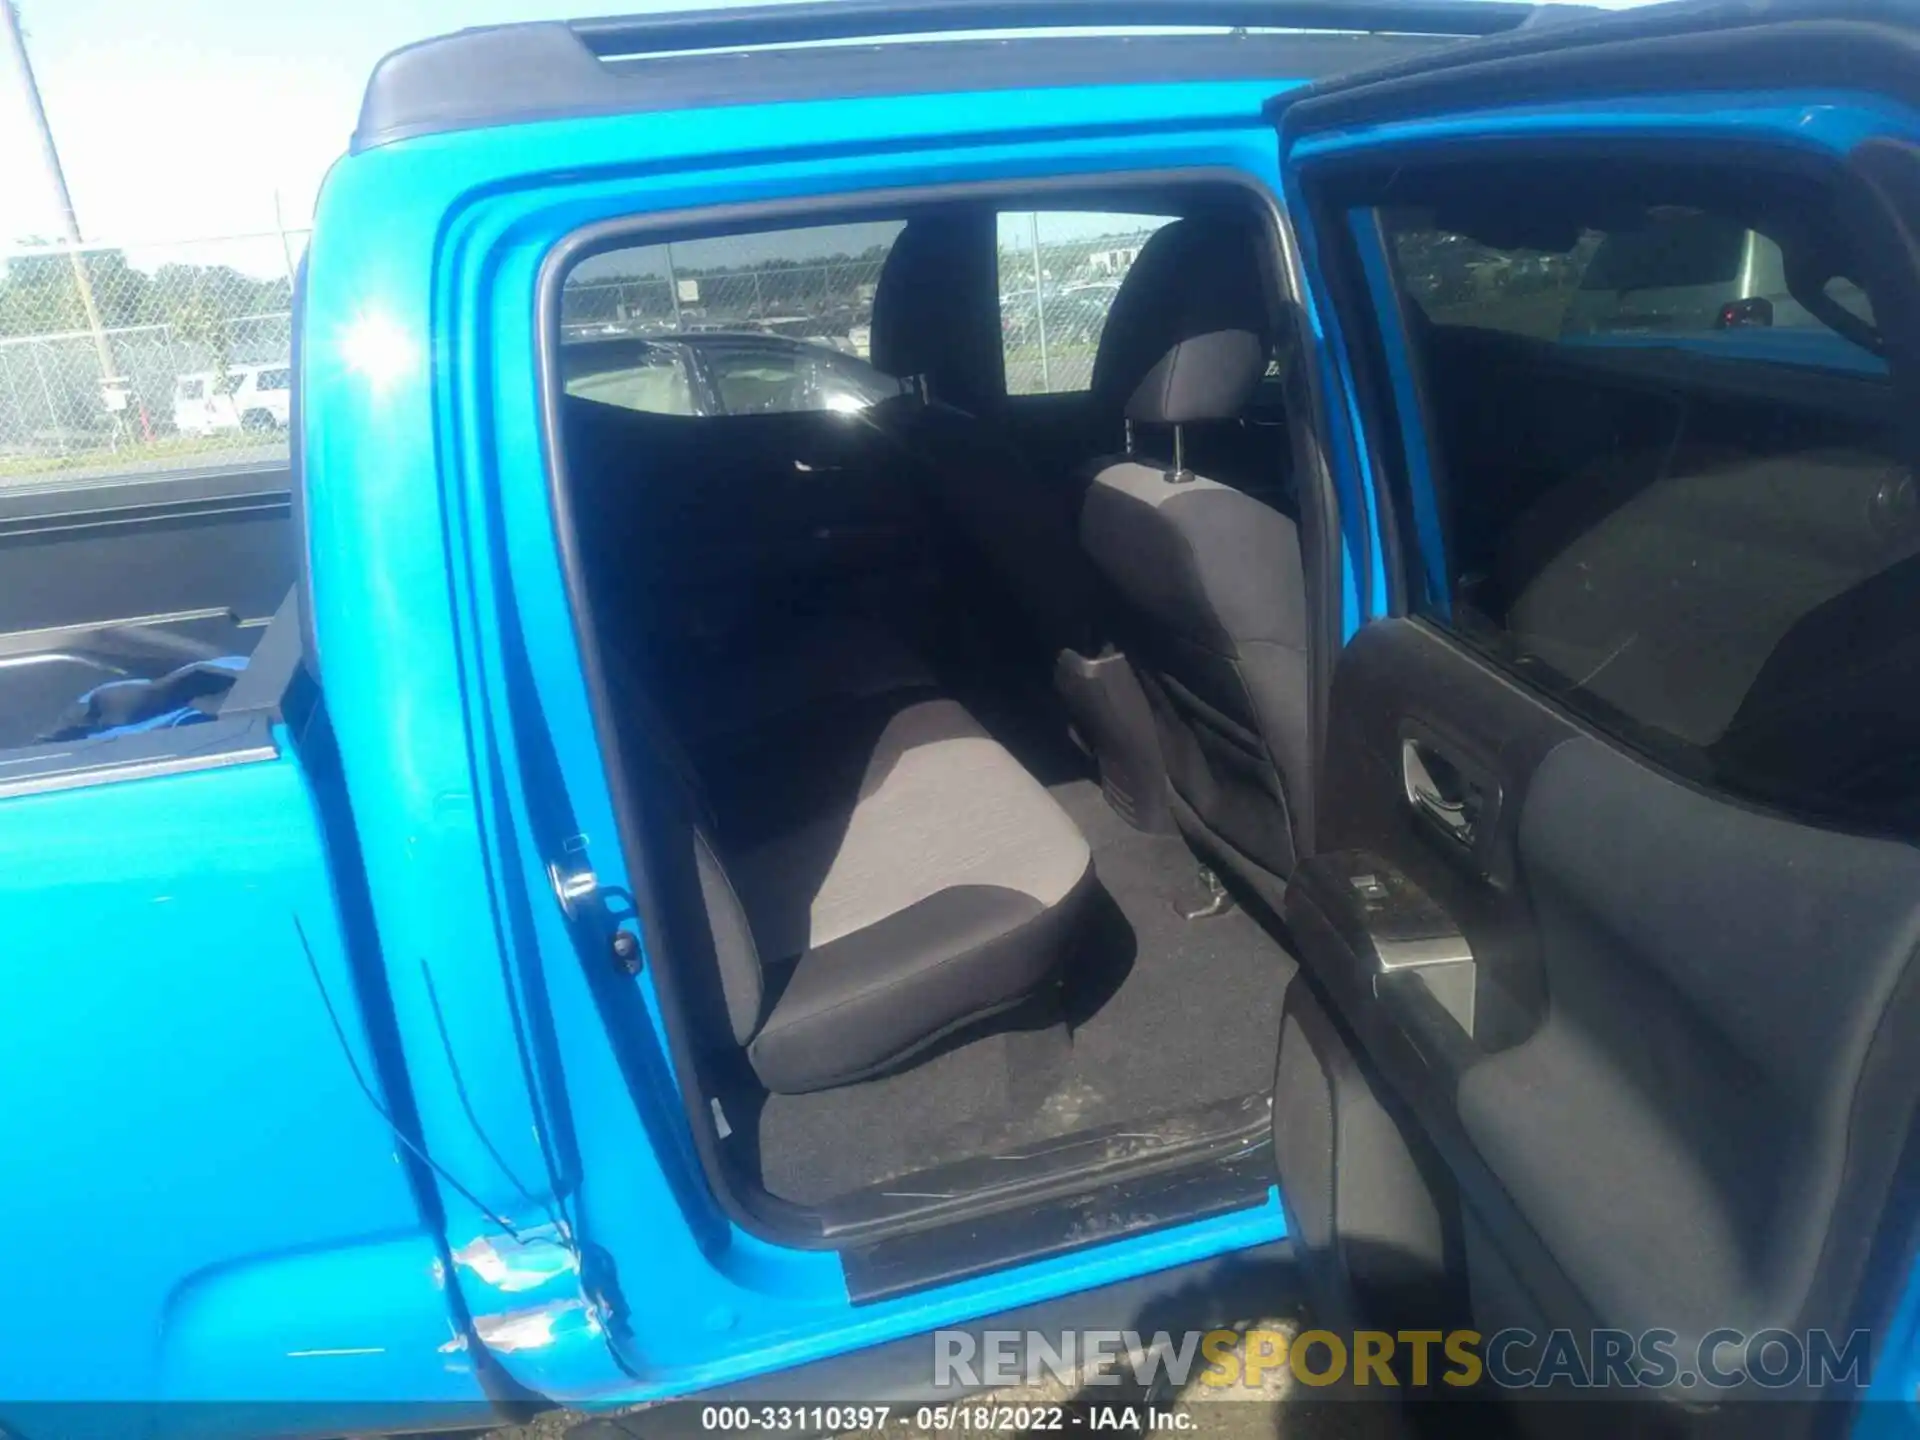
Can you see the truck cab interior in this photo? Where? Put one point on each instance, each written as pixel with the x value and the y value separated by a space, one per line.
pixel 1012 800
pixel 967 729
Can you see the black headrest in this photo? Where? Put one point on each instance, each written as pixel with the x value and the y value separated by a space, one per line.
pixel 934 308
pixel 1190 331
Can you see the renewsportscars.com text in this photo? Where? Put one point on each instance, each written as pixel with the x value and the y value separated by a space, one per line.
pixel 1227 1360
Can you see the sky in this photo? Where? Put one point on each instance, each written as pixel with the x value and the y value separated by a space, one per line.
pixel 180 119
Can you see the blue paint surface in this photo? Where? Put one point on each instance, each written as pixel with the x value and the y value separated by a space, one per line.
pixel 1814 348
pixel 541 1072
pixel 228 1212
pixel 1891 1408
pixel 201 1202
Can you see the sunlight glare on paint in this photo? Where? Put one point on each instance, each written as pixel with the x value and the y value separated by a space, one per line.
pixel 379 349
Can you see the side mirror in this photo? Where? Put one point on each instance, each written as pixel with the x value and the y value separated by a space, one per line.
pixel 1744 314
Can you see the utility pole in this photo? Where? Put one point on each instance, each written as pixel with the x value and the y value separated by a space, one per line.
pixel 10 20
pixel 286 248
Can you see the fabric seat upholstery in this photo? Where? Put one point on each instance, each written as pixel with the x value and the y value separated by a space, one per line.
pixel 877 872
pixel 911 879
pixel 1209 578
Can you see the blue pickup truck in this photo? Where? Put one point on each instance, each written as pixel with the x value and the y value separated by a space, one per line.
pixel 724 866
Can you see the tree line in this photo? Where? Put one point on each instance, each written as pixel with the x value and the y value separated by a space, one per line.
pixel 39 296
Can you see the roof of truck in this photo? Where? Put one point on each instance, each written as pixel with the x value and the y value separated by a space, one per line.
pixel 511 74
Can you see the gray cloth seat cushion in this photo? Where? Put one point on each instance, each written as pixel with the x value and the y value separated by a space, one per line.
pixel 1213 608
pixel 880 873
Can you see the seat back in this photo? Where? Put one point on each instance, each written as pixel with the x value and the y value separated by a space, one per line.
pixel 1208 579
pixel 935 321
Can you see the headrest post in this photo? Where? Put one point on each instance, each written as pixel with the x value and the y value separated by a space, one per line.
pixel 1179 475
pixel 1129 425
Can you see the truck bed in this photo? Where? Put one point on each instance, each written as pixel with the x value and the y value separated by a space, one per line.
pixel 132 578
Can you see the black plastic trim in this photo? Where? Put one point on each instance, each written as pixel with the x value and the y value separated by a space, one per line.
pixel 1050 1172
pixel 277 660
pixel 1135 1205
pixel 516 74
pixel 752 1208
pixel 1693 45
pixel 1205 1294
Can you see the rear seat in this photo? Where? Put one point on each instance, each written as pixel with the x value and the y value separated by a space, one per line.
pixel 877 871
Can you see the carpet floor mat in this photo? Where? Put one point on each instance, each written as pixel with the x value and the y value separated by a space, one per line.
pixel 1161 1015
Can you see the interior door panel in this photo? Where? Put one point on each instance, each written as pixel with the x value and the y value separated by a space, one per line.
pixel 1679 1106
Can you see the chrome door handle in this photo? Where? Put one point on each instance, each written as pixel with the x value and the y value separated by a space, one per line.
pixel 1430 798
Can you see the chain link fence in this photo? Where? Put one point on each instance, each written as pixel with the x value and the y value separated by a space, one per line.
pixel 1055 291
pixel 829 301
pixel 117 359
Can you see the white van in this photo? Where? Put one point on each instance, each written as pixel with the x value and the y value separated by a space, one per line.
pixel 251 398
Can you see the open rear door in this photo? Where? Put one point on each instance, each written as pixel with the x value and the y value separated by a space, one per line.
pixel 1613 918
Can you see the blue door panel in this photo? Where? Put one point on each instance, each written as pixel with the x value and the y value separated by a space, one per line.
pixel 581 1133
pixel 203 1202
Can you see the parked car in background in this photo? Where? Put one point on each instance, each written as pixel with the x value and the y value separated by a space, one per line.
pixel 255 398
pixel 721 373
pixel 1072 317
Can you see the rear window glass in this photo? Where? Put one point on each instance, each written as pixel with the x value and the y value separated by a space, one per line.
pixel 1059 271
pixel 272 380
pixel 758 323
pixel 1661 271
